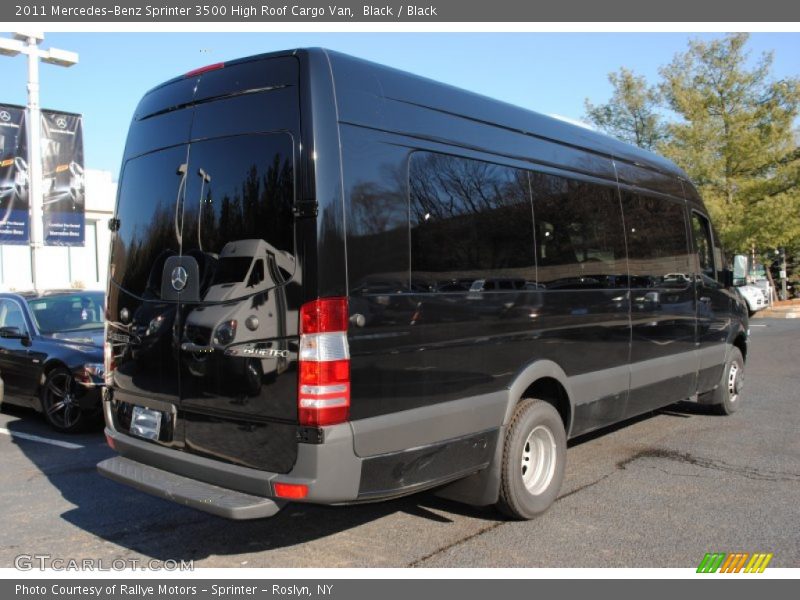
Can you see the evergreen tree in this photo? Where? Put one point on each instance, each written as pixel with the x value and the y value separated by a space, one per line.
pixel 736 141
pixel 632 113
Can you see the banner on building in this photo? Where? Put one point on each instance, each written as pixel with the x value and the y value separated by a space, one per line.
pixel 14 202
pixel 64 193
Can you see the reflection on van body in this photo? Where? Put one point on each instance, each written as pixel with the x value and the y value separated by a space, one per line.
pixel 337 282
pixel 243 321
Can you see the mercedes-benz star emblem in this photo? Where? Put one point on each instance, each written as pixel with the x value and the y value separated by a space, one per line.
pixel 179 277
pixel 61 122
pixel 5 115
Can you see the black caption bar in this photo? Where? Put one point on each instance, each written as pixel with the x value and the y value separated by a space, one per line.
pixel 398 589
pixel 344 11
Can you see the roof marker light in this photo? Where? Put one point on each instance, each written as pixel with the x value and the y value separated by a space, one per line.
pixel 201 70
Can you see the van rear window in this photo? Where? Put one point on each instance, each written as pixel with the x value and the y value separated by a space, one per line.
pixel 199 198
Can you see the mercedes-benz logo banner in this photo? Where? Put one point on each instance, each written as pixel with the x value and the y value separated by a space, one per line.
pixel 14 205
pixel 64 192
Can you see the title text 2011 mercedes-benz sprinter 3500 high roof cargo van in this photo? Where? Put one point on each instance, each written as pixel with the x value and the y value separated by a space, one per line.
pixel 335 282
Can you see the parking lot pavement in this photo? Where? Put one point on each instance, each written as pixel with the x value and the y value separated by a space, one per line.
pixel 661 490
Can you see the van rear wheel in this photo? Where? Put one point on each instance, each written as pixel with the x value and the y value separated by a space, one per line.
pixel 534 456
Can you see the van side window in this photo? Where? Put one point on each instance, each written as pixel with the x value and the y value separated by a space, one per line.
pixel 469 220
pixel 657 243
pixel 579 235
pixel 377 228
pixel 701 232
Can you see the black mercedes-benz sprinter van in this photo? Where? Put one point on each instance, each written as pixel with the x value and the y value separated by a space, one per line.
pixel 335 282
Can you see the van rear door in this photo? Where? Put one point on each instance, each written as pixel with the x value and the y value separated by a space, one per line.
pixel 204 293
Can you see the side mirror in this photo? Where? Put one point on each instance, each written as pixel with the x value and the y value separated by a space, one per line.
pixel 726 277
pixel 740 269
pixel 13 333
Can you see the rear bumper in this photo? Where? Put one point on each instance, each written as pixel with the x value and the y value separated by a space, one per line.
pixel 331 471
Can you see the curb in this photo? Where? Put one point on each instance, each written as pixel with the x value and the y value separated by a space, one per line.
pixel 768 313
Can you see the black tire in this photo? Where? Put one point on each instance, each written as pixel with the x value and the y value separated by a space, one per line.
pixel 518 499
pixel 728 395
pixel 60 398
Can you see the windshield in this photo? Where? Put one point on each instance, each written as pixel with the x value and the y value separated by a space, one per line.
pixel 68 312
pixel 232 269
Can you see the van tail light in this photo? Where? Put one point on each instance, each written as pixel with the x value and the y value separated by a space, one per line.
pixel 324 364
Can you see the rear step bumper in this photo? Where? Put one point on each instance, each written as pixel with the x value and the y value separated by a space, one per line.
pixel 189 492
pixel 331 471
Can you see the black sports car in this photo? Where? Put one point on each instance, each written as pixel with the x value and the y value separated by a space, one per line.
pixel 51 354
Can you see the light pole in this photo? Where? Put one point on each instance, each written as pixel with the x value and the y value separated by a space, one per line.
pixel 27 42
pixel 784 291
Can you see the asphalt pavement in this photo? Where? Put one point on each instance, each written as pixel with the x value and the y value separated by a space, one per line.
pixel 658 491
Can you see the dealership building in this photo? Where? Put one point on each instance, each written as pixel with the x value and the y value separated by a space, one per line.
pixel 68 266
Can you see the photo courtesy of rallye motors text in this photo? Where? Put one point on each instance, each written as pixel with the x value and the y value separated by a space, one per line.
pixel 335 282
pixel 110 589
pixel 144 591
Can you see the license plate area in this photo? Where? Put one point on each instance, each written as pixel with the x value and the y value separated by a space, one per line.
pixel 146 423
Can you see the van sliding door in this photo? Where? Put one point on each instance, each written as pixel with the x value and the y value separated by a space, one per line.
pixel 662 301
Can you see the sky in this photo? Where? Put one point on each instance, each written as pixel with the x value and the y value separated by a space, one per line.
pixel 551 73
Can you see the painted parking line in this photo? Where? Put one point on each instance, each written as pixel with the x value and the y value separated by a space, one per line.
pixel 38 438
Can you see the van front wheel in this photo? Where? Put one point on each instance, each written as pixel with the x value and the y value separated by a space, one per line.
pixel 534 456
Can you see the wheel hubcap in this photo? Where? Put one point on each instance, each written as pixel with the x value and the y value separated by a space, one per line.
pixel 63 406
pixel 538 463
pixel 735 382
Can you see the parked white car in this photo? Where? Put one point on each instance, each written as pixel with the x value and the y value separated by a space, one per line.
pixel 754 296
